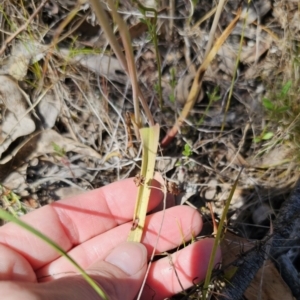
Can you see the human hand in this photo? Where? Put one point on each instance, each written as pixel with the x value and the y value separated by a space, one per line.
pixel 92 228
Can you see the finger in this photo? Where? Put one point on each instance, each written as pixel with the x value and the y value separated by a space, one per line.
pixel 190 265
pixel 13 266
pixel 75 220
pixel 119 277
pixel 180 223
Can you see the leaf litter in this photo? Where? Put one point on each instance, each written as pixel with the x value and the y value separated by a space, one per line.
pixel 81 102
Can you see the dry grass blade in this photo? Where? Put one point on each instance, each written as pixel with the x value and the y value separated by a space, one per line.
pixel 197 83
pixel 235 74
pixel 129 67
pixel 104 22
pixel 130 60
pixel 205 17
pixel 214 27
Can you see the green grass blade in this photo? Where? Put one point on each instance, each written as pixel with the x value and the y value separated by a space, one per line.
pixel 218 238
pixel 149 137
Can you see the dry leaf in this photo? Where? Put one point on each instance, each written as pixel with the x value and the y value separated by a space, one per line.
pixel 211 190
pixel 42 143
pixel 49 108
pixel 70 191
pixel 183 87
pixel 275 156
pixel 16 122
pixel 17 180
pixel 23 54
pixel 233 157
pixel 100 64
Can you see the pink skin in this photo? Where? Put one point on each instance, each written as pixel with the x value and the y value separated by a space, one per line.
pixel 93 228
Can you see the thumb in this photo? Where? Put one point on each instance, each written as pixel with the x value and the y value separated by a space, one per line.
pixel 121 273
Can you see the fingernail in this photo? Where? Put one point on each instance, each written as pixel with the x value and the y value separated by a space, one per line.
pixel 130 257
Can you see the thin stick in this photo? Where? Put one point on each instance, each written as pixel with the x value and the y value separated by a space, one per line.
pixel 214 27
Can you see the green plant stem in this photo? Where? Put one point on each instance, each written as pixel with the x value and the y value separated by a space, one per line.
pixel 150 138
pixel 218 237
pixel 211 101
pixel 155 42
pixel 8 217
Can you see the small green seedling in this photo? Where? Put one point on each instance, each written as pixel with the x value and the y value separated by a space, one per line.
pixel 276 109
pixel 285 89
pixel 59 150
pixel 265 136
pixel 272 105
pixel 187 152
pixel 214 95
pixel 269 105
pixel 11 202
